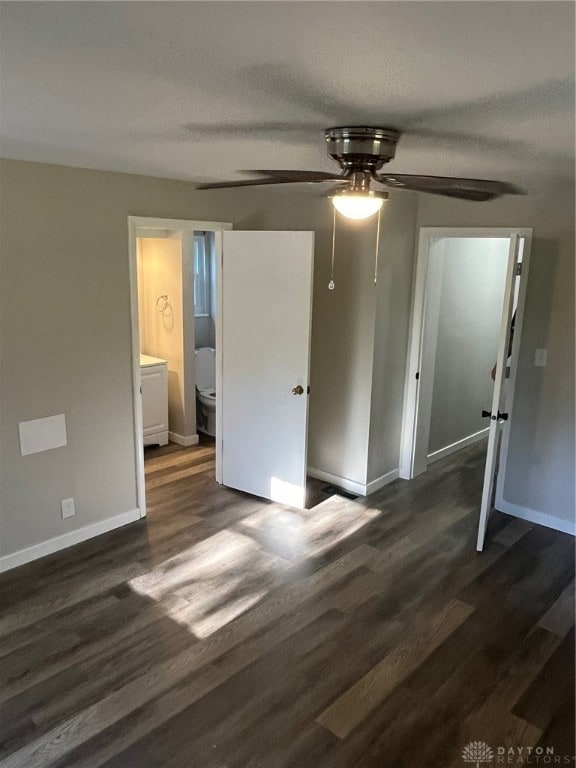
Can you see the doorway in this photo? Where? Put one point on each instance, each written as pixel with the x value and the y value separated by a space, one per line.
pixel 165 299
pixel 469 286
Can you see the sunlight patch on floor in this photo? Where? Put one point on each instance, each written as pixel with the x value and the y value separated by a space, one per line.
pixel 212 582
pixel 308 533
pixel 218 579
pixel 211 622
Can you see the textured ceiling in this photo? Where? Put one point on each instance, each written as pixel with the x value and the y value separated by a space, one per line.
pixel 198 90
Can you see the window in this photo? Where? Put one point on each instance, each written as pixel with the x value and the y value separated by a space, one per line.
pixel 201 276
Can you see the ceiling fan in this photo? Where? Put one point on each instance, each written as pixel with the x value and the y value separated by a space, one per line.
pixel 361 151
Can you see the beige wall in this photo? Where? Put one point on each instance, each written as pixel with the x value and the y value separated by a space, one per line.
pixel 359 347
pixel 66 333
pixel 472 278
pixel 393 297
pixel 162 334
pixel 342 348
pixel 540 474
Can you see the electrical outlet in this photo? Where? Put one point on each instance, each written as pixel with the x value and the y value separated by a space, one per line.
pixel 540 357
pixel 68 509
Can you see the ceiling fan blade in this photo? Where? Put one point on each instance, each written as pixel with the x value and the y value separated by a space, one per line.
pixel 306 176
pixel 251 183
pixel 276 177
pixel 450 186
pixel 474 197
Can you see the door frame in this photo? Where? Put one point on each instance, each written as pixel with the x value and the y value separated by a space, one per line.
pixel 136 223
pixel 412 412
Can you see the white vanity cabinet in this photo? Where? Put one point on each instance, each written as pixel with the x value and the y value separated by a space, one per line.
pixel 154 385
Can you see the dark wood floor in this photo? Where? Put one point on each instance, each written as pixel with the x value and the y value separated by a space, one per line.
pixel 226 632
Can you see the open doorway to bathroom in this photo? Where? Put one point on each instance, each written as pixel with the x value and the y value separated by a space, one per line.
pixel 177 275
pixel 174 302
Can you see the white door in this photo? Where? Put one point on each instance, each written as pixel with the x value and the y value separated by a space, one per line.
pixel 266 299
pixel 498 415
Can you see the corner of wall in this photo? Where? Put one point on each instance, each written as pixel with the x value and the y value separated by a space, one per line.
pixel 390 351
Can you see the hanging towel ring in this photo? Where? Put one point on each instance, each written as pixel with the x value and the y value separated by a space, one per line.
pixel 162 302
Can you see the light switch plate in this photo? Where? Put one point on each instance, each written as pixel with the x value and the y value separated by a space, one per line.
pixel 540 357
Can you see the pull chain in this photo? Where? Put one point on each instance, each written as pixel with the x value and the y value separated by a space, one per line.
pixel 377 246
pixel 331 284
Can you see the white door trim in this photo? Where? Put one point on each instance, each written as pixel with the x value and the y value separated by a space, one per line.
pixel 412 404
pixel 136 223
pixel 218 257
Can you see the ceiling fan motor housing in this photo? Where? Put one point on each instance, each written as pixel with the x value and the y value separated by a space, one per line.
pixel 361 148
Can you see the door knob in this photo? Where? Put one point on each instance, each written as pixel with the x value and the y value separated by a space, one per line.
pixel 298 390
pixel 502 416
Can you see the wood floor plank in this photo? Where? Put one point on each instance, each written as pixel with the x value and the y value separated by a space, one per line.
pixel 71 593
pixel 512 533
pixel 425 532
pixel 351 708
pixel 17 663
pixel 56 624
pixel 224 709
pixel 559 618
pixel 177 459
pixel 157 482
pixel 548 690
pixel 182 694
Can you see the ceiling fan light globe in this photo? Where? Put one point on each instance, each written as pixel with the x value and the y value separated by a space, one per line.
pixel 357 206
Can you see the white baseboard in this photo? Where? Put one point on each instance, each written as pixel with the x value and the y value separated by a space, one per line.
pixel 380 482
pixel 185 440
pixel 532 516
pixel 448 449
pixel 7 562
pixel 361 489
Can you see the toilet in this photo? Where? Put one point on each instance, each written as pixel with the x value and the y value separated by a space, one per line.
pixel 205 359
